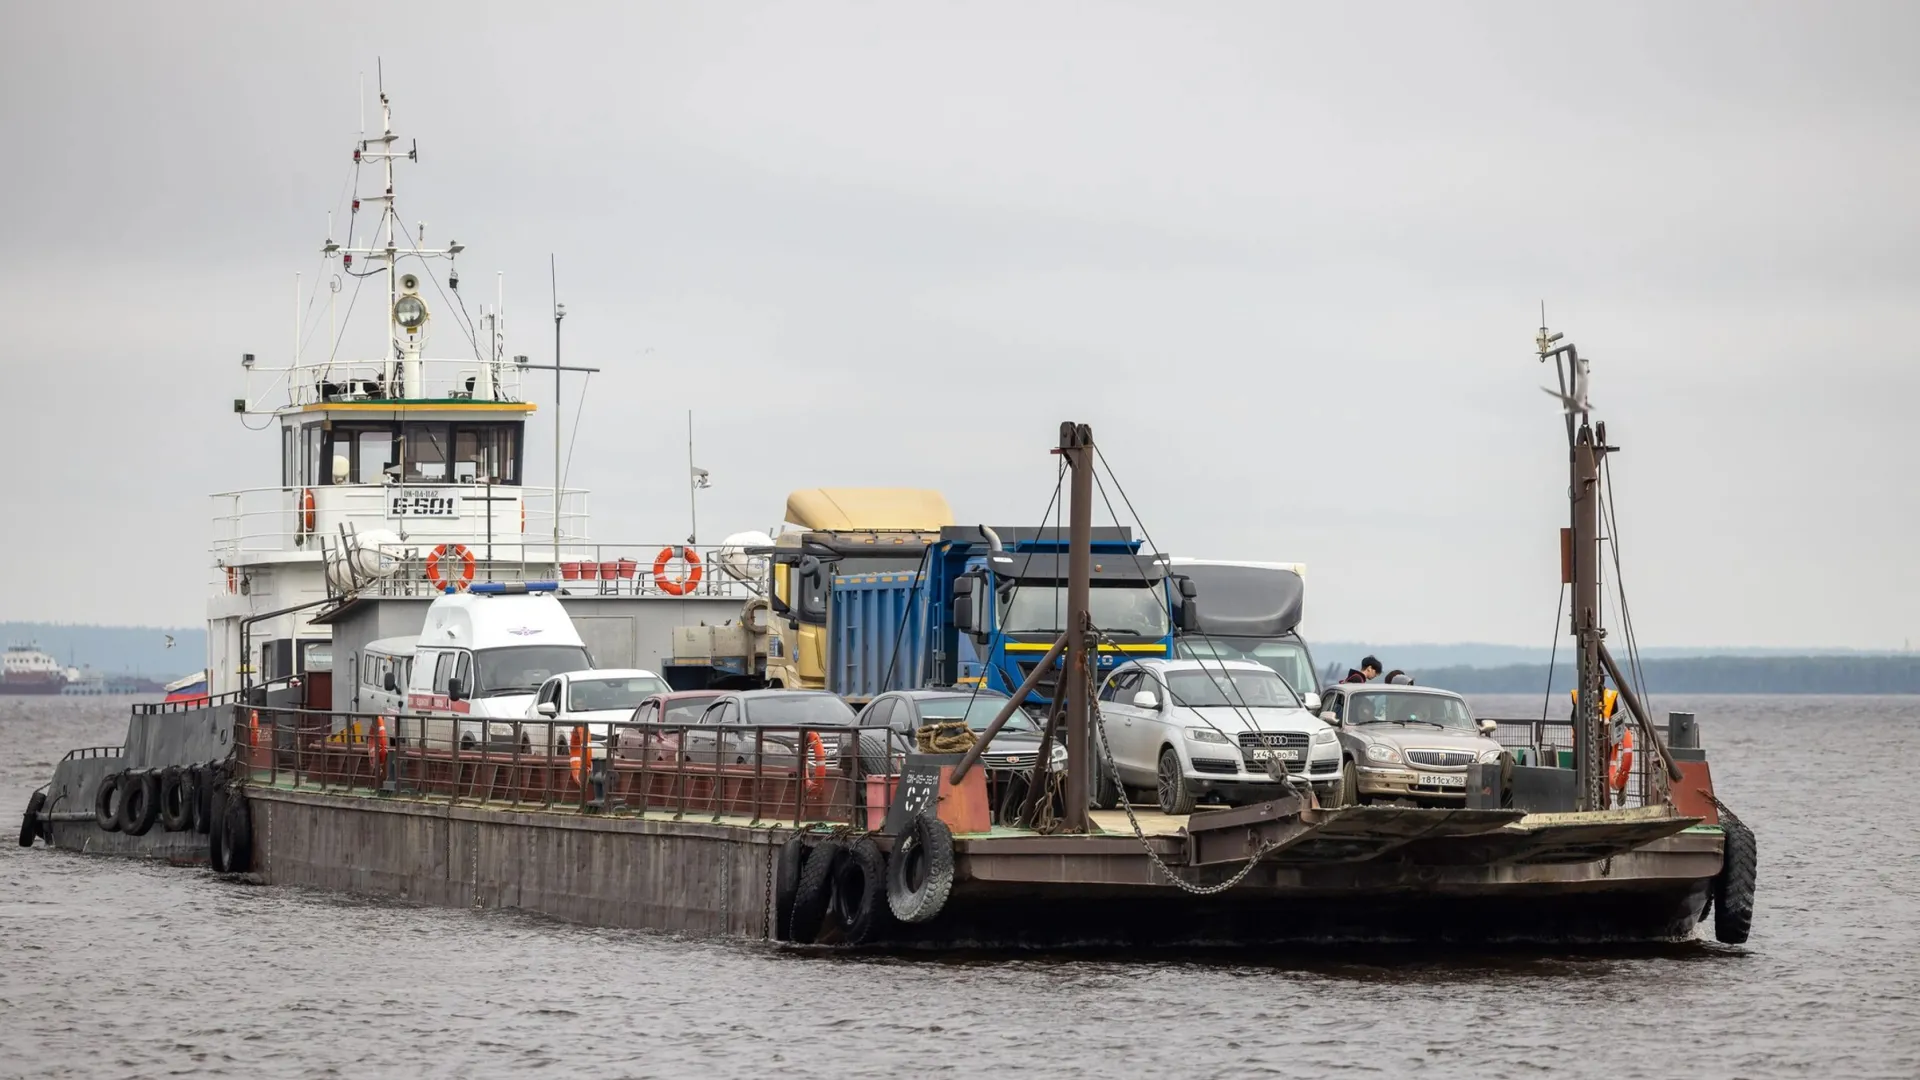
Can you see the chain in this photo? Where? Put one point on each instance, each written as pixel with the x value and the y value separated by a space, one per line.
pixel 1106 755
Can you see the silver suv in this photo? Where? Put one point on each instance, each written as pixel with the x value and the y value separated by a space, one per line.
pixel 1406 742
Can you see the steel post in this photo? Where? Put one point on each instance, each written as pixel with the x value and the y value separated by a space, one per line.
pixel 1076 445
pixel 1590 735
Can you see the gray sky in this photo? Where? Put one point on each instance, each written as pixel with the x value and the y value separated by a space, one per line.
pixel 1286 259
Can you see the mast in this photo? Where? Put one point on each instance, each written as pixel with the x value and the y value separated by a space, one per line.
pixel 1587 450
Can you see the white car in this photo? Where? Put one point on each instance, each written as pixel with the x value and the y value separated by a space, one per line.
pixel 597 698
pixel 1197 730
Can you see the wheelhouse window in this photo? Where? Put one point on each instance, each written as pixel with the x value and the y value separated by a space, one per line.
pixel 417 453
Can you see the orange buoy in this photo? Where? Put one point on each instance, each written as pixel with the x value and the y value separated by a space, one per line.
pixel 448 551
pixel 581 756
pixel 815 767
pixel 1622 764
pixel 377 746
pixel 684 584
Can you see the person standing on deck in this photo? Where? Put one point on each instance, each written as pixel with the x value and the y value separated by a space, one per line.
pixel 1369 671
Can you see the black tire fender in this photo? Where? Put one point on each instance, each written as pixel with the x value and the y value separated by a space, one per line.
pixel 176 799
pixel 30 821
pixel 236 834
pixel 139 802
pixel 920 871
pixel 216 827
pixel 106 809
pixel 814 894
pixel 203 798
pixel 786 885
pixel 1733 887
pixel 860 892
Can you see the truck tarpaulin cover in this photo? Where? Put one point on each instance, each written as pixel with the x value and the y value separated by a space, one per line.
pixel 1246 601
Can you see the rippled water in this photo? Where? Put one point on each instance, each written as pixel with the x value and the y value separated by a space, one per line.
pixel 116 968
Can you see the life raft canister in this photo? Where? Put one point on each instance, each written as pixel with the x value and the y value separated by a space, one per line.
pixel 448 551
pixel 1622 764
pixel 679 586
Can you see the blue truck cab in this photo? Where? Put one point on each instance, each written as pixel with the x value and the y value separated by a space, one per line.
pixel 985 605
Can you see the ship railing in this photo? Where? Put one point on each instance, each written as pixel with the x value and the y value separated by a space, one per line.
pixel 798 775
pixel 148 708
pixel 365 381
pixel 273 519
pixel 83 752
pixel 1550 742
pixel 583 569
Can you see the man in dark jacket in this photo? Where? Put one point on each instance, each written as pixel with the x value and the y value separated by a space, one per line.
pixel 1369 671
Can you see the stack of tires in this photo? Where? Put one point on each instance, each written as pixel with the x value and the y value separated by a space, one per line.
pixel 846 891
pixel 180 798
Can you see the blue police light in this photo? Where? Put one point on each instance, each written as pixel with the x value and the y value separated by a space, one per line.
pixel 499 588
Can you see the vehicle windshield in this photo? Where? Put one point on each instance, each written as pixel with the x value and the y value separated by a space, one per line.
pixel 1431 710
pixel 590 695
pixel 978 712
pixel 1287 657
pixel 1217 687
pixel 797 710
pixel 1130 610
pixel 520 669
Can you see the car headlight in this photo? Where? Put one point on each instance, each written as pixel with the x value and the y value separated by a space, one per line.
pixel 1491 755
pixel 1201 734
pixel 1382 752
pixel 1325 736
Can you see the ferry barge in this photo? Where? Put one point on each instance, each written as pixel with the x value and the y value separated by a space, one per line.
pixel 391 479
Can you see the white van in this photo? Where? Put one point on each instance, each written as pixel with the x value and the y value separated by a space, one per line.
pixel 384 673
pixel 481 657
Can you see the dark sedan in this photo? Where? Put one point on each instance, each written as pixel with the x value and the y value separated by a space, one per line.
pixel 737 725
pixel 888 723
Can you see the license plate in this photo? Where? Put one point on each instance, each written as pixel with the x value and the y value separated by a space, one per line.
pixel 1262 753
pixel 1440 780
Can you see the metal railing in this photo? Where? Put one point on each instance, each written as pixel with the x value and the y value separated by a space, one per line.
pixel 1544 740
pixel 364 381
pixel 799 775
pixel 274 519
pixel 584 569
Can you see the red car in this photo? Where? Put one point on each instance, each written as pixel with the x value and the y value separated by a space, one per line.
pixel 676 707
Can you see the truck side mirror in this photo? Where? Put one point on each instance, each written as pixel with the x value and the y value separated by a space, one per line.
pixel 1189 615
pixel 393 686
pixel 1187 590
pixel 456 690
pixel 966 610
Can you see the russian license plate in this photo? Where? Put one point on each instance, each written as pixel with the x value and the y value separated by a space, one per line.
pixel 1262 753
pixel 1441 780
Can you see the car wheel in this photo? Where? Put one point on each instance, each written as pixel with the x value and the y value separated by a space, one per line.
pixel 1175 799
pixel 1349 785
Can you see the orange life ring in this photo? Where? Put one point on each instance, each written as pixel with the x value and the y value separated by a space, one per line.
pixel 307 517
pixel 444 551
pixel 677 586
pixel 253 727
pixel 377 746
pixel 815 768
pixel 1622 765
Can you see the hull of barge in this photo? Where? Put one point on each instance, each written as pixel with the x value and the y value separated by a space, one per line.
pixel 676 852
